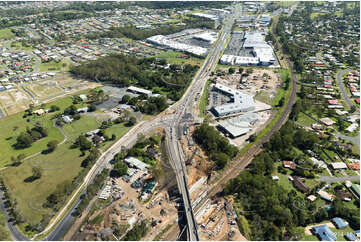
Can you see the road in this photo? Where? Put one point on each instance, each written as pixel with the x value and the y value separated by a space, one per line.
pixel 181 112
pixel 334 179
pixel 343 89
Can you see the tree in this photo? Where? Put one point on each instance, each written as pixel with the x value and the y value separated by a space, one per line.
pixel 132 121
pixel 120 169
pixel 52 145
pixel 231 70
pixel 113 137
pixel 54 108
pixel 24 140
pixel 125 98
pixel 92 108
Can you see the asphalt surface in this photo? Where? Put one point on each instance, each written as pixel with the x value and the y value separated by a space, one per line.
pixel 334 179
pixel 343 89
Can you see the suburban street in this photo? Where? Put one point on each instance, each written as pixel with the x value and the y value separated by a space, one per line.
pixel 343 89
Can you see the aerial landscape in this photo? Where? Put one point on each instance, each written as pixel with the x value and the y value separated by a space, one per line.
pixel 180 120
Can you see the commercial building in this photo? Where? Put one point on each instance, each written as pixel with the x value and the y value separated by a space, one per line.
pixel 164 41
pixel 240 101
pixel 240 125
pixel 210 37
pixel 139 90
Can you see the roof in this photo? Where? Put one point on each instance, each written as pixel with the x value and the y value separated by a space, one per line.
pixel 356 188
pixel 350 236
pixel 324 233
pixel 339 165
pixel 39 111
pixel 289 164
pixel 326 195
pixel 339 222
pixel 354 165
pixel 242 102
pixel 139 90
pixel 137 163
pixel 239 125
pixel 312 198
pixel 327 121
pixel 298 183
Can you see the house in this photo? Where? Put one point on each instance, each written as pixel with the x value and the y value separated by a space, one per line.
pixel 327 121
pixel 134 162
pixel 326 196
pixel 39 112
pixel 311 198
pixel 289 164
pixel 67 119
pixel 324 233
pixel 317 126
pixel 298 183
pixel 275 178
pixel 82 110
pixel 98 139
pixel 345 196
pixel 83 97
pixel 339 223
pixel 354 166
pixel 92 132
pixel 339 165
pixel 350 236
pixel 352 128
pixel 333 102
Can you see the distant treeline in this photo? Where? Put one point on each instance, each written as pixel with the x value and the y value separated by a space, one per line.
pixel 140 34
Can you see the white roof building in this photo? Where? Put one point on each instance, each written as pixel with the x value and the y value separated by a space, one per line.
pixel 242 102
pixel 339 165
pixel 139 90
pixel 239 125
pixel 136 163
pixel 352 127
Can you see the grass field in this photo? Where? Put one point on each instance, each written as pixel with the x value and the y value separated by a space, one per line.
pixel 12 126
pixel 315 14
pixel 19 46
pixel 4 233
pixel 305 120
pixel 55 66
pixel 6 33
pixel 172 57
pixel 203 102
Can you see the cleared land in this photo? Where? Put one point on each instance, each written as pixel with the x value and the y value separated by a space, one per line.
pixel 173 57
pixel 62 65
pixel 14 100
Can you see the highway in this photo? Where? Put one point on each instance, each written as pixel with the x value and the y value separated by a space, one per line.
pixel 183 111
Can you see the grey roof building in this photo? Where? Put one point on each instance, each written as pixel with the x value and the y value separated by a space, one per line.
pixel 239 125
pixel 241 102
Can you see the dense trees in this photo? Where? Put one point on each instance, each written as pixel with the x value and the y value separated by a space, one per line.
pixel 83 143
pixel 125 70
pixel 25 139
pixel 216 146
pixel 140 34
pixel 120 168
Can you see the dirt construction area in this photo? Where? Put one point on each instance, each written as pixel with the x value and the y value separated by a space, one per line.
pixel 124 213
pixel 13 101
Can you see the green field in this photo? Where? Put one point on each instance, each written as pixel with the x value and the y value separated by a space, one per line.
pixel 172 57
pixel 55 66
pixel 315 14
pixel 6 34
pixel 4 233
pixel 305 120
pixel 18 45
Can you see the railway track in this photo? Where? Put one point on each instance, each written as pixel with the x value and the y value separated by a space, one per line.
pixel 248 156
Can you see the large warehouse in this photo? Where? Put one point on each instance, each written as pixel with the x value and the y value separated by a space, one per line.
pixel 241 102
pixel 261 53
pixel 238 126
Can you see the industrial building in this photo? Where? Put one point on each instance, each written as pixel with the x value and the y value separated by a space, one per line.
pixel 134 162
pixel 237 126
pixel 164 41
pixel 261 53
pixel 240 101
pixel 139 90
pixel 210 37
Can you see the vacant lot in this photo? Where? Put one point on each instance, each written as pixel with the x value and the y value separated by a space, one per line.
pixel 173 57
pixel 14 100
pixel 62 65
pixel 45 89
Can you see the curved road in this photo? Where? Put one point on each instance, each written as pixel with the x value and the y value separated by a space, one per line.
pixel 343 89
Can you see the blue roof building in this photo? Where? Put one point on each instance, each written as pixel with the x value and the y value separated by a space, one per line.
pixel 350 236
pixel 339 222
pixel 324 233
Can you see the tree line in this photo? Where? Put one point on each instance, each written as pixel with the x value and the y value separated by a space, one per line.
pixel 215 145
pixel 124 70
